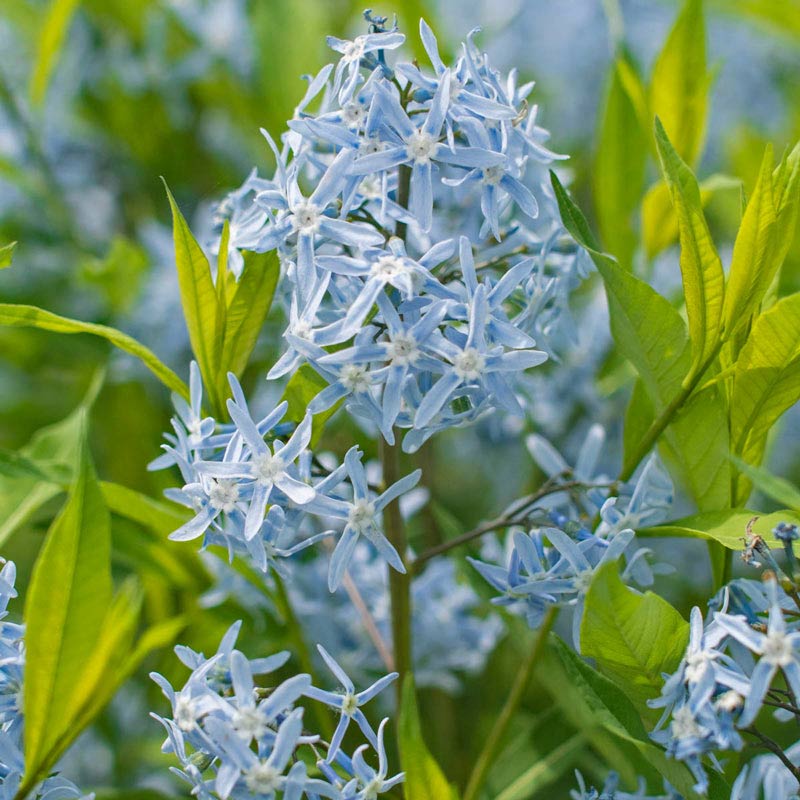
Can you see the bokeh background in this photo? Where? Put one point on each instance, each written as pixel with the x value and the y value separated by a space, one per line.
pixel 98 98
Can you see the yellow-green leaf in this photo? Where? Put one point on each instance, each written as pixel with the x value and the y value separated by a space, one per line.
pixel 51 38
pixel 680 82
pixel 7 254
pixel 424 778
pixel 752 266
pixel 21 316
pixel 701 268
pixel 199 301
pixel 726 527
pixel 659 221
pixel 248 306
pixel 620 162
pixel 632 637
pixel 766 380
pixel 67 600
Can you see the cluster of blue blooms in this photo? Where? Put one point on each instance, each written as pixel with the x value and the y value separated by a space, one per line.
pixel 377 260
pixel 580 530
pixel 610 791
pixel 12 659
pixel 252 738
pixel 728 674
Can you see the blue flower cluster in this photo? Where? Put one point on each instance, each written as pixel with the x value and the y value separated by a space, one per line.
pixel 610 791
pixel 577 531
pixel 12 658
pixel 251 492
pixel 384 260
pixel 237 739
pixel 728 674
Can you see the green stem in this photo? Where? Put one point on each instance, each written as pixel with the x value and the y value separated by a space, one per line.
pixel 403 192
pixel 301 649
pixel 495 738
pixel 399 583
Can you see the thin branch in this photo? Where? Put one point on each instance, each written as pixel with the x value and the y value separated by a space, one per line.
pixel 516 514
pixel 369 622
pixel 775 748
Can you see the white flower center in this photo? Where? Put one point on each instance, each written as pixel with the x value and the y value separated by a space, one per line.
pixel 262 778
pixel 388 267
pixel 353 114
pixel 349 705
pixel 223 495
pixel 421 147
pixel 778 650
pixel 267 467
pixel 697 663
pixel 354 50
pixel 372 789
pixel 493 175
pixel 306 218
pixel 249 722
pixel 369 144
pixel 185 714
pixel 362 515
pixel 729 701
pixel 302 330
pixel 402 350
pixel 354 378
pixel 469 364
pixel 582 581
pixel 683 724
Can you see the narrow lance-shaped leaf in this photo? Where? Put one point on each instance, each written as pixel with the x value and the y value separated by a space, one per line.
pixel 249 302
pixel 198 299
pixel 766 381
pixel 701 268
pixel 650 333
pixel 7 254
pixel 752 265
pixel 727 526
pixel 775 487
pixel 69 595
pixel 424 778
pixel 21 316
pixel 659 221
pixel 680 82
pixel 52 33
pixel 620 163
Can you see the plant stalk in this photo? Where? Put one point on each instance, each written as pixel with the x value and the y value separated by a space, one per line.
pixel 399 583
pixel 500 728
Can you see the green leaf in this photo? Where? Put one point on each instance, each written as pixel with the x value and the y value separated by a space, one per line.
pixel 701 268
pixel 301 389
pixel 546 770
pixel 659 222
pixel 199 301
pixel 766 380
pixel 246 311
pixel 51 38
pixel 7 255
pixel 68 597
pixel 590 699
pixel 786 197
pixel 680 83
pixel 752 266
pixel 55 445
pixel 634 638
pixel 726 526
pixel 650 333
pixel 22 316
pixel 424 778
pixel 620 162
pixel 779 489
